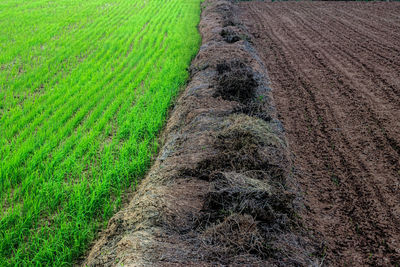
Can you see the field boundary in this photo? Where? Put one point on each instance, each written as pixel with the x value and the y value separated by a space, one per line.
pixel 221 190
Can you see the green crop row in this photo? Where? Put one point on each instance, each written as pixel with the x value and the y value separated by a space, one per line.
pixel 85 87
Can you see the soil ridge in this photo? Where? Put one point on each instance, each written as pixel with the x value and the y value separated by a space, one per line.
pixel 221 192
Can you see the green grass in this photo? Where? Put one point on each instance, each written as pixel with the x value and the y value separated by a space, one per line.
pixel 85 87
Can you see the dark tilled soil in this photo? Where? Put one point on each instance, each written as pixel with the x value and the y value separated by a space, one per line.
pixel 335 72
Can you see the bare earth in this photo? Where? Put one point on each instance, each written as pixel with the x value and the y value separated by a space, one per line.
pixel 335 73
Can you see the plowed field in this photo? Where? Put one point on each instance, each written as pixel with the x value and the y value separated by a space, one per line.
pixel 335 74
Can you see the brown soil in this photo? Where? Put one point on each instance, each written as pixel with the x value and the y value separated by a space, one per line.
pixel 335 72
pixel 221 190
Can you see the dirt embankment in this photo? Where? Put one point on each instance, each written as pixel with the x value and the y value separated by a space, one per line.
pixel 220 191
pixel 335 73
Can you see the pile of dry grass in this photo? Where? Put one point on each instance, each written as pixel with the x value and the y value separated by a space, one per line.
pixel 218 194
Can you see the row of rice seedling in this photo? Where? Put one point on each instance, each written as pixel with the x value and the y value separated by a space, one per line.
pixel 85 87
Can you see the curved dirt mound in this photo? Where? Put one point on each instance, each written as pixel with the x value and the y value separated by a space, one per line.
pixel 335 72
pixel 220 191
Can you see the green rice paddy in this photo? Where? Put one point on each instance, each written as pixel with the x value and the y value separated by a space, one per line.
pixel 85 87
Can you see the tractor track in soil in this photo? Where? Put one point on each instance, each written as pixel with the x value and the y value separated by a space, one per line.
pixel 335 73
